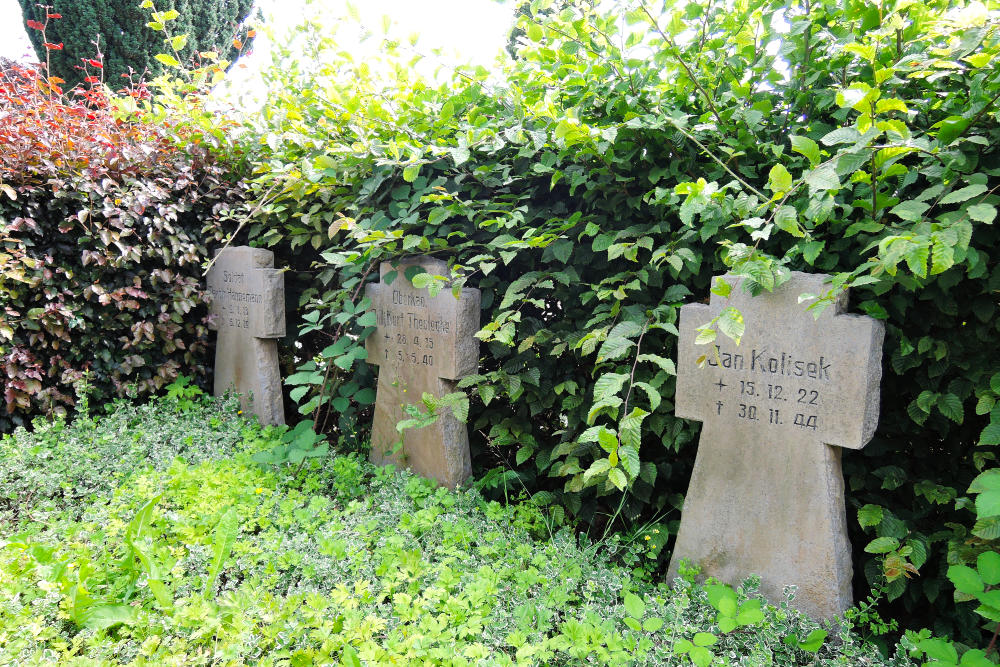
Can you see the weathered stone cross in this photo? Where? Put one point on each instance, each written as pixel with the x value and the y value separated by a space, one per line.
pixel 421 344
pixel 248 302
pixel 766 495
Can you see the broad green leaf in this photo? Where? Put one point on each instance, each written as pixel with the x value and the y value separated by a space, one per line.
pixel 882 545
pixel 870 515
pixel 411 172
pixel 822 179
pixel 223 539
pixel 609 384
pixel 939 649
pixel 652 624
pixel 634 606
pixel 988 504
pixel 178 42
pixel 614 348
pixel 982 213
pixel 843 135
pixel 167 60
pixel 704 639
pixel 807 147
pixel 966 579
pixel 813 641
pixel 731 323
pixel 910 210
pixel 102 617
pixel 787 220
pixel 963 194
pixel 779 180
pixel 950 406
pixel 988 565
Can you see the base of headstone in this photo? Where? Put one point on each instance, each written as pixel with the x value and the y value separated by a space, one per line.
pixel 793 532
pixel 439 451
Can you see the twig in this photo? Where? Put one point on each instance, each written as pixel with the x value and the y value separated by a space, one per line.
pixel 680 59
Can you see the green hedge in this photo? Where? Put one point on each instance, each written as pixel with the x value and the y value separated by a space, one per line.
pixel 101 248
pixel 601 180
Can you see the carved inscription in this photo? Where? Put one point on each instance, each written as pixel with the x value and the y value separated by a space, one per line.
pixel 772 389
pixel 408 335
pixel 233 298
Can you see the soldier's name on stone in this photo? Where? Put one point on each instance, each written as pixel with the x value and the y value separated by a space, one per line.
pixel 388 318
pixel 774 363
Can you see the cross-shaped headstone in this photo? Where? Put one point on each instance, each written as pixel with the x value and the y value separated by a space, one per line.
pixel 766 495
pixel 421 344
pixel 248 302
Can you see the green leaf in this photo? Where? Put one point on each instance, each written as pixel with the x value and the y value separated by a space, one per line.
pixel 617 477
pixel 731 323
pixel 411 172
pixel 870 515
pixel 167 60
pixel 939 649
pixel 349 657
pixel 652 624
pixel 988 504
pixel 178 42
pixel 779 180
pixel 910 210
pixel 982 213
pixel 534 32
pixel 614 348
pixel 963 194
pixel 843 135
pixel 102 617
pixel 950 406
pixel 813 641
pixel 223 540
pixel 609 384
pixel 822 179
pixel 990 434
pixel 787 220
pixel 704 639
pixel 807 147
pixel 882 545
pixel 950 128
pixel 988 565
pixel 966 579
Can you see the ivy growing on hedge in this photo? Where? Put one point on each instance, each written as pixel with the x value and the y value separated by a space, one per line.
pixel 101 247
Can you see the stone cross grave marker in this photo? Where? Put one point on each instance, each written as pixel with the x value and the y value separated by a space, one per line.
pixel 248 300
pixel 421 344
pixel 766 495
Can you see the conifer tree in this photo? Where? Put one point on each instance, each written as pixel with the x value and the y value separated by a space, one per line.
pixel 120 29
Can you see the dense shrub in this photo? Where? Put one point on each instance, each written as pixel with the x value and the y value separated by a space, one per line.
pixel 101 246
pixel 196 555
pixel 616 165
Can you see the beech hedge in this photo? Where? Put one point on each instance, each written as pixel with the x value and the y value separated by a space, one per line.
pixel 101 246
pixel 622 159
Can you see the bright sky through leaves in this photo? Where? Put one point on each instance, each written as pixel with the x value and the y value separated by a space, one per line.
pixel 465 30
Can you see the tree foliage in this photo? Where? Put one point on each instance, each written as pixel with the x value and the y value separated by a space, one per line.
pixel 117 33
pixel 101 247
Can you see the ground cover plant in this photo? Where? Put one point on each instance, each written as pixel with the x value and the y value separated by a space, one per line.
pixel 151 536
pixel 623 157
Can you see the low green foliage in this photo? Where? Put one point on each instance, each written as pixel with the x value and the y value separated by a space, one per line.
pixel 169 544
